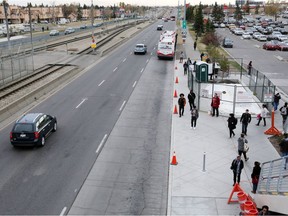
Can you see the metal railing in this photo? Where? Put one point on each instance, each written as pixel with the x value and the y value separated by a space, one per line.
pixel 274 177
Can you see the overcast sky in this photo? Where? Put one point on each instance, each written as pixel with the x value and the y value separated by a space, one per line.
pixel 116 2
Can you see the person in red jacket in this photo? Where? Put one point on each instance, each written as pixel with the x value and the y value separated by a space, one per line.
pixel 215 105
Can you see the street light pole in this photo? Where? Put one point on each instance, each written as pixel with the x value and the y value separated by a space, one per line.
pixel 30 22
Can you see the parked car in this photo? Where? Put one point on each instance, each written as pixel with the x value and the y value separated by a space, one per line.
pixel 140 49
pixel 32 129
pixel 282 46
pixel 160 27
pixel 54 33
pixel 282 37
pixel 256 35
pixel 69 31
pixel 238 31
pixel 262 38
pixel 227 43
pixel 271 45
pixel 246 35
pixel 222 25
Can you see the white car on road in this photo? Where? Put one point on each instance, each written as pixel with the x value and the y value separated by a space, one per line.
pixel 246 35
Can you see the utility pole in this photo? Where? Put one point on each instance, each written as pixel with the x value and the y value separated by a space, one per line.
pixel 184 10
pixel 6 22
pixel 31 40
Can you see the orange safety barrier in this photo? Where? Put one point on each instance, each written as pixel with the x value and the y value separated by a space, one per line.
pixel 175 110
pixel 242 198
pixel 248 205
pixel 236 188
pixel 174 160
pixel 176 81
pixel 272 130
pixel 175 94
pixel 252 212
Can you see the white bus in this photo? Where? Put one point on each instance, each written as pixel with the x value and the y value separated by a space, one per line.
pixel 166 45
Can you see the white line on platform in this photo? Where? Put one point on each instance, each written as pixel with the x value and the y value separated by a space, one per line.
pixel 122 105
pixel 101 83
pixel 124 60
pixel 101 143
pixel 63 211
pixel 81 103
pixel 115 69
pixel 147 60
pixel 142 70
pixel 134 84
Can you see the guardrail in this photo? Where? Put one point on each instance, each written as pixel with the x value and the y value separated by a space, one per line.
pixel 274 177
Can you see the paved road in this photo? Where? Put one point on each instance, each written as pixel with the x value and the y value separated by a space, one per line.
pixel 44 180
pixel 265 61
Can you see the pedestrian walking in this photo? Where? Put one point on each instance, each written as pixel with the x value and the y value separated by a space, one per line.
pixel 215 103
pixel 201 56
pixel 263 115
pixel 185 66
pixel 189 62
pixel 191 99
pixel 181 57
pixel 181 103
pixel 241 146
pixel 284 114
pixel 245 120
pixel 249 67
pixel 232 122
pixel 264 210
pixel 194 117
pixel 237 166
pixel 255 176
pixel 284 149
pixel 276 100
pixel 195 45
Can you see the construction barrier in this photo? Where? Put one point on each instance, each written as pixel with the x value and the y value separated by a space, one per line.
pixel 248 205
pixel 175 94
pixel 272 130
pixel 174 160
pixel 242 198
pixel 175 110
pixel 252 212
pixel 176 81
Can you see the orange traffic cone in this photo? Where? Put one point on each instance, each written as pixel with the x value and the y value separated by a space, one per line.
pixel 176 81
pixel 175 94
pixel 174 160
pixel 175 110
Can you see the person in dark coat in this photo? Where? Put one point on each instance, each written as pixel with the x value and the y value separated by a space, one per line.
pixel 237 166
pixel 215 103
pixel 276 100
pixel 195 45
pixel 185 66
pixel 191 99
pixel 181 103
pixel 194 117
pixel 249 67
pixel 245 120
pixel 255 176
pixel 241 146
pixel 232 122
pixel 284 149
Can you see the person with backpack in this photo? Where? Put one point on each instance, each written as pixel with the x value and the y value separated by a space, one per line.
pixel 245 120
pixel 232 122
pixel 237 166
pixel 194 117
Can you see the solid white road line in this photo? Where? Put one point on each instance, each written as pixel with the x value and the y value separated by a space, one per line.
pixel 147 60
pixel 101 143
pixel 101 83
pixel 115 69
pixel 124 102
pixel 63 211
pixel 134 84
pixel 81 103
pixel 124 60
pixel 142 70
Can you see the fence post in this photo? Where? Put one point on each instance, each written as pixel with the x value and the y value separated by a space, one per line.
pixel 234 98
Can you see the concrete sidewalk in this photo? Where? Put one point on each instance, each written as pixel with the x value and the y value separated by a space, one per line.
pixel 198 190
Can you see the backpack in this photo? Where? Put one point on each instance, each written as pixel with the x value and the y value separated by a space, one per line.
pixel 283 111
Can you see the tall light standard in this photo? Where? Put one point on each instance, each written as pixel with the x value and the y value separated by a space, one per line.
pixel 5 4
pixel 31 40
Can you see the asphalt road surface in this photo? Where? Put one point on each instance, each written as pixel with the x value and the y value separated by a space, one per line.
pixel 41 181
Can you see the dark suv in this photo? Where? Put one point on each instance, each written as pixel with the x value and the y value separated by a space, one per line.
pixel 32 129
